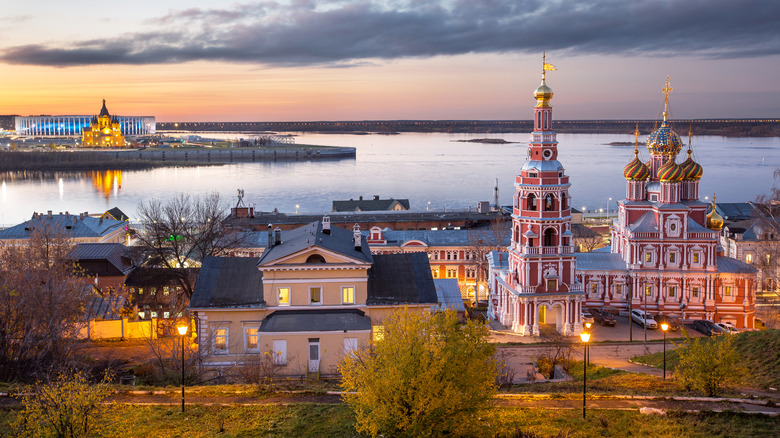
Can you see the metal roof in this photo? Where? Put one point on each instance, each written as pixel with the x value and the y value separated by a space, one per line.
pixel 594 261
pixel 448 294
pixel 228 282
pixel 401 278
pixel 115 254
pixel 73 226
pixel 375 204
pixel 734 266
pixel 320 320
pixel 338 240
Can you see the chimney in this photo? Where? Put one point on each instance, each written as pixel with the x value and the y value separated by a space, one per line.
pixel 81 216
pixel 251 212
pixel 326 224
pixel 270 236
pixel 67 213
pixel 376 197
pixel 277 236
pixel 361 197
pixel 357 237
pixel 49 214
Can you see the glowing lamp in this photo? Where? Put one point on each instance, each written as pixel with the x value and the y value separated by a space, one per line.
pixel 585 336
pixel 664 326
pixel 182 329
pixel 588 324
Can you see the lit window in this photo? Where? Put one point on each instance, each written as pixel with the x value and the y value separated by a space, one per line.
pixel 348 295
pixel 284 296
pixel 594 288
pixel 379 333
pixel 435 273
pixel 696 257
pixel 154 314
pixel 140 291
pixel 315 296
pixel 153 291
pixel 727 291
pixel 251 339
pixel 618 289
pixel 140 315
pixel 552 285
pixel 672 257
pixel 695 292
pixel 166 315
pixel 221 341
pixel 672 291
pixel 648 256
pixel 749 258
pixel 165 290
pixel 452 273
pixel 648 290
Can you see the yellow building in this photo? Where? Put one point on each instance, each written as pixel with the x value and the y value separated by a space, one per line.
pixel 307 302
pixel 104 131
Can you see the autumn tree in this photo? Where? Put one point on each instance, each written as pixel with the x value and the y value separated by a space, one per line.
pixel 180 232
pixel 709 365
pixel 42 303
pixel 767 257
pixel 66 407
pixel 429 375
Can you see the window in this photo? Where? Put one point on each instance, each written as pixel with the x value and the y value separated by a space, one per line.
pixel 166 315
pixel 220 341
pixel 552 285
pixel 648 256
pixel 696 257
pixel 452 273
pixel 648 290
pixel 348 295
pixel 250 339
pixel 279 352
pixel 315 296
pixel 350 346
pixel 165 290
pixel 727 291
pixel 140 291
pixel 153 291
pixel 672 291
pixel 378 333
pixel 749 258
pixel 471 273
pixel 695 292
pixel 672 257
pixel 284 296
pixel 594 288
pixel 618 289
pixel 435 273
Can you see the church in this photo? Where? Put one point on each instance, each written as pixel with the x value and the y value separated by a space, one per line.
pixel 104 131
pixel 664 257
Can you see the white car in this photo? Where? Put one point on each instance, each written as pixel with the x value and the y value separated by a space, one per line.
pixel 643 319
pixel 728 327
pixel 587 317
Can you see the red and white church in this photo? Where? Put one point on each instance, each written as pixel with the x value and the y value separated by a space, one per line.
pixel 665 255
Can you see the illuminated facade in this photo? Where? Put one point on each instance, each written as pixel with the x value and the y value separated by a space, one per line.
pixel 69 126
pixel 103 131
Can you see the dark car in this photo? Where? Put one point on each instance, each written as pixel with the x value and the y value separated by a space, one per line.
pixel 603 317
pixel 708 328
pixel 674 322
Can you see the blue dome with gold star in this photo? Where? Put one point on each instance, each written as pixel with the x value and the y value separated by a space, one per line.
pixel 664 141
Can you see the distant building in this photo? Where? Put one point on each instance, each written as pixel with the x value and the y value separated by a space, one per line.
pixel 79 228
pixel 375 204
pixel 106 265
pixel 103 131
pixel 73 125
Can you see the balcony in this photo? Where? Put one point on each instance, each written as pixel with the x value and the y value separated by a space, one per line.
pixel 548 250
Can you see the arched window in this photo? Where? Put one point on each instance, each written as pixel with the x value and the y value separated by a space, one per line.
pixel 546 120
pixel 315 258
pixel 563 201
pixel 549 237
pixel 532 202
pixel 548 202
pixel 538 121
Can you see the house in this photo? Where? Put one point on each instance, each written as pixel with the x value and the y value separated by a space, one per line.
pixel 107 265
pixel 316 294
pixel 115 214
pixel 79 228
pixel 375 204
pixel 154 292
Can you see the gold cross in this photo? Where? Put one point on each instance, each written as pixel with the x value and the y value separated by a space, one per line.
pixel 666 90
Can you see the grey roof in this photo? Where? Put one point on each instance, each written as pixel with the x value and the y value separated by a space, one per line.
pixel 105 308
pixel 646 224
pixel 375 204
pixel 321 320
pixel 264 218
pixel 444 237
pixel 734 266
pixel 543 165
pixel 228 282
pixel 150 276
pixel 448 294
pixel 401 278
pixel 695 227
pixel 118 214
pixel 498 260
pixel 115 254
pixel 582 231
pixel 735 211
pixel 594 261
pixel 73 226
pixel 339 240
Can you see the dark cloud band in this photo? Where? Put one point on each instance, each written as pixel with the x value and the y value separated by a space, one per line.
pixel 345 33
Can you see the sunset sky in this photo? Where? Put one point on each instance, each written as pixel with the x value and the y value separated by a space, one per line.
pixel 280 60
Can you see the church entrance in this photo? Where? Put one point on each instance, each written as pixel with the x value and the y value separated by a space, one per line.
pixel 551 315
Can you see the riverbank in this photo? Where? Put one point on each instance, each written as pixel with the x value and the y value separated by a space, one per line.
pixel 150 158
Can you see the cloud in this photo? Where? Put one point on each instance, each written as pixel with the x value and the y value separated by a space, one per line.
pixel 343 33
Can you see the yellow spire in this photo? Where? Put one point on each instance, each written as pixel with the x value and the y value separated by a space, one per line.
pixel 636 141
pixel 714 220
pixel 666 90
pixel 690 135
pixel 543 93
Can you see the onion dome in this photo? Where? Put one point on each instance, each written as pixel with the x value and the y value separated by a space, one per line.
pixel 692 170
pixel 664 141
pixel 636 170
pixel 670 172
pixel 543 94
pixel 104 110
pixel 714 220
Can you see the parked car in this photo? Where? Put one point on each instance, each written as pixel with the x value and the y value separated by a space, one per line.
pixel 587 317
pixel 674 322
pixel 603 317
pixel 643 319
pixel 728 327
pixel 708 328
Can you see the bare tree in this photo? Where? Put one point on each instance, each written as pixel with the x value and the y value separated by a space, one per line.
pixel 586 239
pixel 767 260
pixel 42 303
pixel 482 241
pixel 180 232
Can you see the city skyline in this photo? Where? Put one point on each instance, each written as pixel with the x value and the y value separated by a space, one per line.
pixel 370 60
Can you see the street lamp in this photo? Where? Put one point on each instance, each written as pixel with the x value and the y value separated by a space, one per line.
pixel 183 332
pixel 296 208
pixel 587 349
pixel 608 201
pixel 585 338
pixel 664 327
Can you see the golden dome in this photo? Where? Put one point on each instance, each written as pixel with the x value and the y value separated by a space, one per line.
pixel 714 220
pixel 543 94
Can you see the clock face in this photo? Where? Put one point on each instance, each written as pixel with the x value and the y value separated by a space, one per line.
pixel 547 154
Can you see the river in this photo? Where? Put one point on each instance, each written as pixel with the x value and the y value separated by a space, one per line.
pixel 432 170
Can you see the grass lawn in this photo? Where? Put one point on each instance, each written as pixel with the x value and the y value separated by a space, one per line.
pixel 316 420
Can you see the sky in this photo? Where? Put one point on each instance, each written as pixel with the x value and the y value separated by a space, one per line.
pixel 310 60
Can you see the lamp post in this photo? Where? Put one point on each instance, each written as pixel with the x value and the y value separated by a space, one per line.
pixel 608 201
pixel 183 332
pixel 587 347
pixel 585 338
pixel 664 327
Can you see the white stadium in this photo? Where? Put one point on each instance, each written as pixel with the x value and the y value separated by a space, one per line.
pixel 61 126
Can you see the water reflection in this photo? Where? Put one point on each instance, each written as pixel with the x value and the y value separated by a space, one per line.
pixel 105 182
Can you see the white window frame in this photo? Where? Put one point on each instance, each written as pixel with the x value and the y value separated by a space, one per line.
pixel 255 327
pixel 279 351
pixel 343 290
pixel 452 272
pixel 279 295
pixel 350 346
pixel 215 336
pixel 311 303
